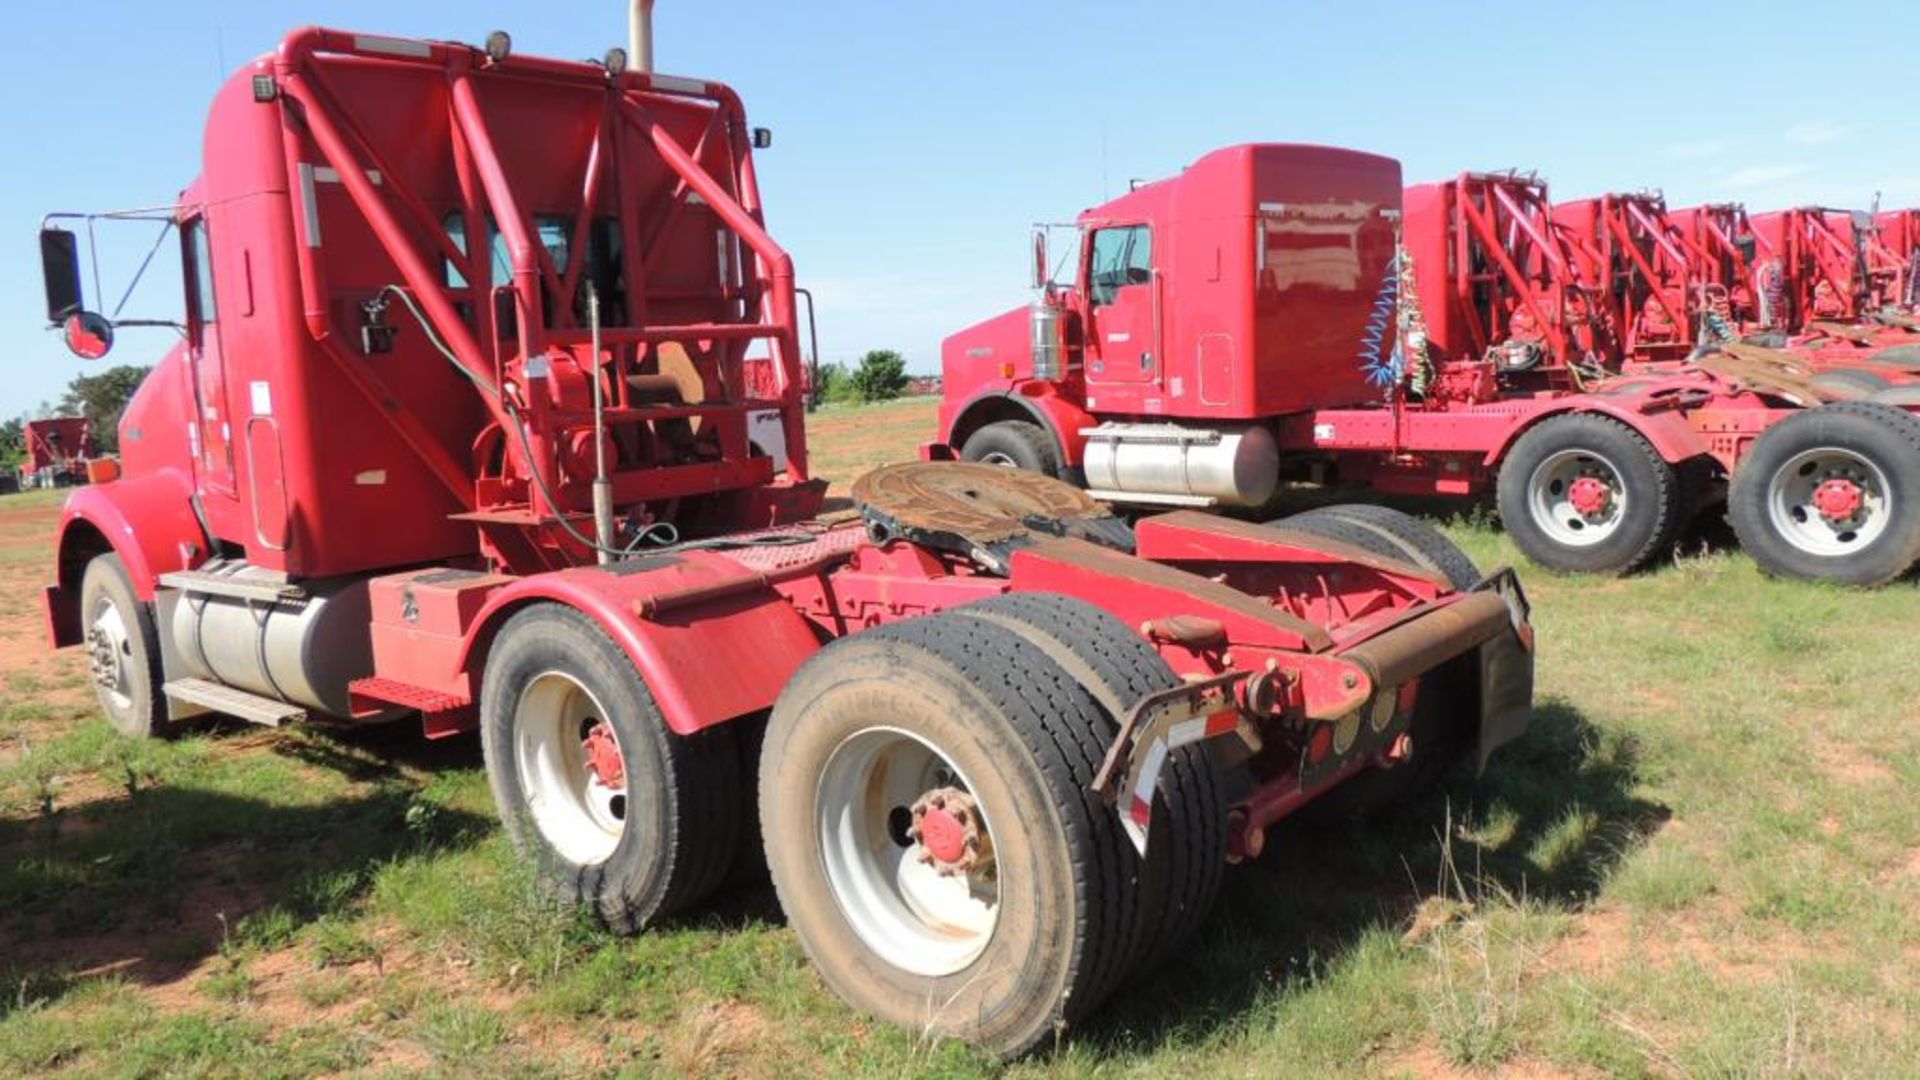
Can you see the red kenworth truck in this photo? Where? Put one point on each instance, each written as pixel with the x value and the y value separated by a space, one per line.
pixel 459 430
pixel 1270 315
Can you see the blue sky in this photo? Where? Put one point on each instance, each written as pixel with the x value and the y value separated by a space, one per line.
pixel 916 141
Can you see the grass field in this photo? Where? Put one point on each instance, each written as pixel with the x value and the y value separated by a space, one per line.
pixel 1703 860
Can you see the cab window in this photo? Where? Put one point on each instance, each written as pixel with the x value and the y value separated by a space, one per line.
pixel 199 275
pixel 555 233
pixel 1121 256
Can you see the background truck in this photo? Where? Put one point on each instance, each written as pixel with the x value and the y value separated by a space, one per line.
pixel 459 429
pixel 58 449
pixel 1269 315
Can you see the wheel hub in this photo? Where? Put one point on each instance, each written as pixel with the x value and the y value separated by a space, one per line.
pixel 946 824
pixel 1591 496
pixel 603 757
pixel 103 659
pixel 1839 499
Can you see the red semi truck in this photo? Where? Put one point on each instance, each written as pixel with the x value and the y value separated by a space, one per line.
pixel 1235 326
pixel 58 449
pixel 459 430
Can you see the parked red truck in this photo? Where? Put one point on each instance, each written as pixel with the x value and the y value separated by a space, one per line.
pixel 58 449
pixel 459 429
pixel 1235 326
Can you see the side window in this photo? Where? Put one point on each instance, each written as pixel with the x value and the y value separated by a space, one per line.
pixel 1121 256
pixel 199 275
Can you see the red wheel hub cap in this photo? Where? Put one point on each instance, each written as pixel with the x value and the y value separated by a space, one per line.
pixel 603 756
pixel 942 834
pixel 1590 496
pixel 1838 499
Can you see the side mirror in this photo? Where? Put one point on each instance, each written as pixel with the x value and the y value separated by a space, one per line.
pixel 60 266
pixel 89 335
pixel 1040 264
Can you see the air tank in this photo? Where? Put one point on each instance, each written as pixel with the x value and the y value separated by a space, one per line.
pixel 1174 463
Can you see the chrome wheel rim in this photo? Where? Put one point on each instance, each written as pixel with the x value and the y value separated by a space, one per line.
pixel 110 655
pixel 1559 498
pixel 1804 512
pixel 903 908
pixel 575 802
pixel 1000 458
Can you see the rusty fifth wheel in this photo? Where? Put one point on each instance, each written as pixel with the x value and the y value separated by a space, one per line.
pixel 1832 494
pixel 924 795
pixel 616 811
pixel 1581 492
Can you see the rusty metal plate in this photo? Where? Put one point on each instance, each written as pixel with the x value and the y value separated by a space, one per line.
pixel 980 511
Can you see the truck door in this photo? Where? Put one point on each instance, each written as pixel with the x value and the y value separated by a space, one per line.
pixel 212 431
pixel 1121 306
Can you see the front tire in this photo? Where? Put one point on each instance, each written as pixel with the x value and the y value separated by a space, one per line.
pixel 1582 493
pixel 1015 444
pixel 123 650
pixel 1832 494
pixel 614 810
pixel 953 739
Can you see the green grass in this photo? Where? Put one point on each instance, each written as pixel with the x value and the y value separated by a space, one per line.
pixel 1702 860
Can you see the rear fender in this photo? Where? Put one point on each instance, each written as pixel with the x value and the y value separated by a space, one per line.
pixel 1671 436
pixel 710 638
pixel 147 520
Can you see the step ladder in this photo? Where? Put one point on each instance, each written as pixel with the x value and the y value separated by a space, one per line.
pixel 239 704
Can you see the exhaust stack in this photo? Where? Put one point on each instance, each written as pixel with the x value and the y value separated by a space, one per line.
pixel 640 36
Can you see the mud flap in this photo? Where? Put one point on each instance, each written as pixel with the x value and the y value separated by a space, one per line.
pixel 1155 727
pixel 1506 671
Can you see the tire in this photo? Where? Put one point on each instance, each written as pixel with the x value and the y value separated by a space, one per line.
pixel 123 647
pixel 929 705
pixel 1875 448
pixel 1187 849
pixel 652 846
pixel 1897 356
pixel 1850 382
pixel 1016 444
pixel 1439 736
pixel 1388 532
pixel 1643 511
pixel 1904 396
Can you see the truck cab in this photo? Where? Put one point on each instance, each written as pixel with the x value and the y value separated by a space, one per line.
pixel 1255 284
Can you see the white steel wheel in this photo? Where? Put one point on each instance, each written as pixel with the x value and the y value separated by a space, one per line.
pixel 908 851
pixel 571 768
pixel 1829 501
pixel 1832 494
pixel 1577 497
pixel 1000 458
pixel 612 808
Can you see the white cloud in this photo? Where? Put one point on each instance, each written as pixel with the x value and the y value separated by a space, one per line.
pixel 1819 132
pixel 1699 148
pixel 1757 177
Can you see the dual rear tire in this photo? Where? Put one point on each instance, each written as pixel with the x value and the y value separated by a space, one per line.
pixel 923 796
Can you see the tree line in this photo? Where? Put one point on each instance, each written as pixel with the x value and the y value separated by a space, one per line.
pixel 100 398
